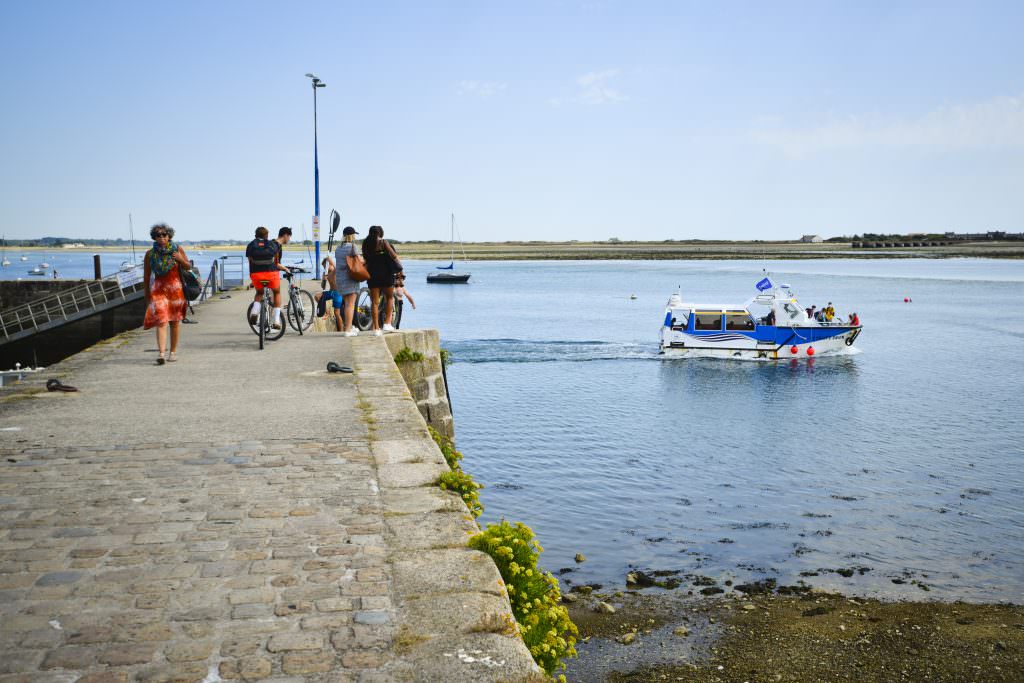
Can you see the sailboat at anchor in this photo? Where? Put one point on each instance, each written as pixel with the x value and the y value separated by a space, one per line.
pixel 450 277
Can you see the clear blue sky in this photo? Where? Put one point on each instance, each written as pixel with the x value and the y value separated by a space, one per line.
pixel 529 120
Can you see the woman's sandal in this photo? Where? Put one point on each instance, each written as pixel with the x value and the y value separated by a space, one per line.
pixel 160 360
pixel 172 357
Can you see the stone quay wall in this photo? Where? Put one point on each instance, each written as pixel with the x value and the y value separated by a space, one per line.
pixel 426 377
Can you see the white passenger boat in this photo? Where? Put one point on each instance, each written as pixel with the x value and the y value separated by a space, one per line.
pixel 770 326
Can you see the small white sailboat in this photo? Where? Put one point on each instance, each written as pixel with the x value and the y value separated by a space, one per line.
pixel 3 254
pixel 36 271
pixel 23 258
pixel 134 263
pixel 451 277
pixel 44 265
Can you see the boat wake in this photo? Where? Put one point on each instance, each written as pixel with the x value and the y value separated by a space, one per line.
pixel 536 351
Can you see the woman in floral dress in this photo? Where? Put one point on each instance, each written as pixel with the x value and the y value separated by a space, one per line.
pixel 165 297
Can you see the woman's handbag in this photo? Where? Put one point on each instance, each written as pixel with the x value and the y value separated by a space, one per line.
pixel 396 263
pixel 356 268
pixel 190 283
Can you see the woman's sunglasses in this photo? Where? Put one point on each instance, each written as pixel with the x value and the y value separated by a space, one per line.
pixel 161 234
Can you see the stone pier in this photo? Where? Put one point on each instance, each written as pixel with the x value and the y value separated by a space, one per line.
pixel 238 515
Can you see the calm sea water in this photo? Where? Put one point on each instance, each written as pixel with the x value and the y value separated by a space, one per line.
pixel 78 264
pixel 903 461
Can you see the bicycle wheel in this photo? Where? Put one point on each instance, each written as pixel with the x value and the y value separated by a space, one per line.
pixel 254 326
pixel 300 310
pixel 262 325
pixel 363 315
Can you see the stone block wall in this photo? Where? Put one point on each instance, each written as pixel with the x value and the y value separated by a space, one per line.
pixel 425 378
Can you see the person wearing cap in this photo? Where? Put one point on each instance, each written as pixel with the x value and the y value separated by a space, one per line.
pixel 346 289
pixel 830 312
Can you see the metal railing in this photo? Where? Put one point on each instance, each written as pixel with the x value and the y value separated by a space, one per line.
pixel 210 287
pixel 72 304
pixel 231 272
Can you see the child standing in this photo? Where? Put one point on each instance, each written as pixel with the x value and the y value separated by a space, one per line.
pixel 400 294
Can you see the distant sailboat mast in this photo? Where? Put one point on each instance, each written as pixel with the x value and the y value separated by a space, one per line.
pixel 453 241
pixel 131 236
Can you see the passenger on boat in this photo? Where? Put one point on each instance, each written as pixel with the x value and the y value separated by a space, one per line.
pixel 830 312
pixel 854 319
pixel 768 319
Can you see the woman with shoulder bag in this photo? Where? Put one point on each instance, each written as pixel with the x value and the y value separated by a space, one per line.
pixel 165 296
pixel 382 262
pixel 349 272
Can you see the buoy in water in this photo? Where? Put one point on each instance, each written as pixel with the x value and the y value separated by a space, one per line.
pixel 906 300
pixel 810 350
pixel 794 350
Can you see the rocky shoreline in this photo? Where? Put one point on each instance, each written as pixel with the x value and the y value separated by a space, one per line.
pixel 761 632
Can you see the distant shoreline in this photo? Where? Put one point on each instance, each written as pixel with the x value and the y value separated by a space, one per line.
pixel 600 251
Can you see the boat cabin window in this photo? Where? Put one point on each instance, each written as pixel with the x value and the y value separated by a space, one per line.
pixel 792 310
pixel 739 321
pixel 707 321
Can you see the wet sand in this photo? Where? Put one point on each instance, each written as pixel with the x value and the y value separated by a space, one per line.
pixel 658 635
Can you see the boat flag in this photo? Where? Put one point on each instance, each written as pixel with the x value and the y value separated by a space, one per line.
pixel 763 285
pixel 450 266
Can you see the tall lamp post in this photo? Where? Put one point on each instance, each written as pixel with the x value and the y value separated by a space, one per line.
pixel 317 83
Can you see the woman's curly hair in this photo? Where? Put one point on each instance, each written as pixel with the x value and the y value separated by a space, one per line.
pixel 162 227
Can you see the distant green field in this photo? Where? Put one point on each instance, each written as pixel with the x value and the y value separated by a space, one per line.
pixel 536 251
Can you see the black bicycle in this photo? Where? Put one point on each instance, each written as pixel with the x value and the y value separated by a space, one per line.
pixel 301 307
pixel 261 324
pixel 362 318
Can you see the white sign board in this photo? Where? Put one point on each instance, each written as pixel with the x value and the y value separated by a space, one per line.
pixel 128 278
pixel 316 228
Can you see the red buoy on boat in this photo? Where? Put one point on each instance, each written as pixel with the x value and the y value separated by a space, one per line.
pixel 906 300
pixel 794 350
pixel 810 350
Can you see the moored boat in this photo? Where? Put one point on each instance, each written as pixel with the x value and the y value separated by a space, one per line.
pixel 450 277
pixel 770 326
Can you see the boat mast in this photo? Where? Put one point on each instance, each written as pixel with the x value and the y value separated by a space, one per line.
pixel 453 237
pixel 131 235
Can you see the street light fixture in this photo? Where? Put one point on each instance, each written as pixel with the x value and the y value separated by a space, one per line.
pixel 317 83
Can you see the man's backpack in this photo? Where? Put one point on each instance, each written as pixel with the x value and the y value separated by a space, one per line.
pixel 263 252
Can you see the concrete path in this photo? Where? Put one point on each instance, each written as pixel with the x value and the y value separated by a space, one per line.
pixel 237 514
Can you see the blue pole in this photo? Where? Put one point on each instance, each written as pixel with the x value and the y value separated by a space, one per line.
pixel 316 186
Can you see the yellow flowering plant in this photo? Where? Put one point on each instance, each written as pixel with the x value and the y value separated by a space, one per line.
pixel 534 593
pixel 463 484
pixel 451 456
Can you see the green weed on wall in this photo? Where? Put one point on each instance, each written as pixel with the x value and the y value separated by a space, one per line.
pixel 534 594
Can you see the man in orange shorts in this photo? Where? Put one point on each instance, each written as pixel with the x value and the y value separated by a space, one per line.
pixel 264 256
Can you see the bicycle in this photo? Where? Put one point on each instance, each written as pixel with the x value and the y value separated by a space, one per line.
pixel 262 327
pixel 362 318
pixel 300 306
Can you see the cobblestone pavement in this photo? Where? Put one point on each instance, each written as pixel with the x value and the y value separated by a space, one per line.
pixel 154 528
pixel 149 563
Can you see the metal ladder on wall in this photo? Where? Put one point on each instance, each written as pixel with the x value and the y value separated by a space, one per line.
pixel 55 310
